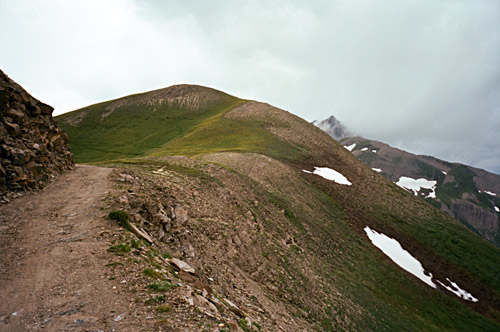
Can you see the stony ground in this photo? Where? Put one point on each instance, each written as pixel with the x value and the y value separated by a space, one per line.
pixel 204 247
pixel 65 266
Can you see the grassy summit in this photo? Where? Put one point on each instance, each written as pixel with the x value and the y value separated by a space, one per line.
pixel 187 120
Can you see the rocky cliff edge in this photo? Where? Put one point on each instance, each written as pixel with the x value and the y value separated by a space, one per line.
pixel 33 149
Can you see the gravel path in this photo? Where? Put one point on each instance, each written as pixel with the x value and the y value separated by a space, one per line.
pixel 52 256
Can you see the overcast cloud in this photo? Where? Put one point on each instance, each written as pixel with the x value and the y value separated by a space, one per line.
pixel 420 75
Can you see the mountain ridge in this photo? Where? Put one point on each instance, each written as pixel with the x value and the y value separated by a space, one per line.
pixel 266 160
pixel 218 213
pixel 460 192
pixel 476 210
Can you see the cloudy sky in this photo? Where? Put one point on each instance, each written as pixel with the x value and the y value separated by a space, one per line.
pixel 420 75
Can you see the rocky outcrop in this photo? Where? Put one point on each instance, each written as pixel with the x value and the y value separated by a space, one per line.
pixel 33 149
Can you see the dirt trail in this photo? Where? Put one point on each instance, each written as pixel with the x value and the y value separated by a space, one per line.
pixel 52 253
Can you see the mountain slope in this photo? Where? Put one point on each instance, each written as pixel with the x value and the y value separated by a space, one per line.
pixel 285 245
pixel 468 194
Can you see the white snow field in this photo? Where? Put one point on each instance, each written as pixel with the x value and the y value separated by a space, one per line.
pixel 406 261
pixel 378 170
pixel 398 255
pixel 350 147
pixel 415 185
pixel 364 149
pixel 497 209
pixel 330 174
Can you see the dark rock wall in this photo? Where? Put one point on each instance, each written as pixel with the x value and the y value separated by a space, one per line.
pixel 33 149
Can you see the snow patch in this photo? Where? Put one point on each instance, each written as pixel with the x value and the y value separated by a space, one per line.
pixel 406 261
pixel 374 151
pixel 443 172
pixel 398 255
pixel 330 174
pixel 490 193
pixel 350 147
pixel 497 209
pixel 458 291
pixel 378 170
pixel 415 185
pixel 364 149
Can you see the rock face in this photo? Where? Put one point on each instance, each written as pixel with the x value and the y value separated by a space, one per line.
pixel 33 149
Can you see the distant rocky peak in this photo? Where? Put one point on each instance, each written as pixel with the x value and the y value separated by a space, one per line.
pixel 334 128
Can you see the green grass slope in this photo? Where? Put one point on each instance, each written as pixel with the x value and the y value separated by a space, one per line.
pixel 334 278
pixel 135 125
